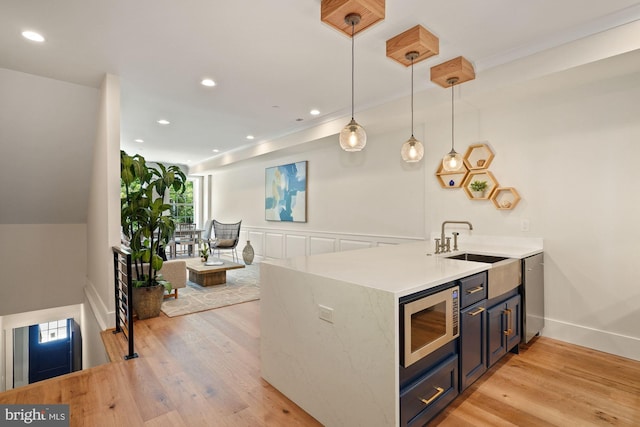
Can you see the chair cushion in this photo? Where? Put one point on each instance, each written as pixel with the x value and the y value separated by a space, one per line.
pixel 225 243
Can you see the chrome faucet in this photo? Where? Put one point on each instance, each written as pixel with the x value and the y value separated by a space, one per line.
pixel 443 244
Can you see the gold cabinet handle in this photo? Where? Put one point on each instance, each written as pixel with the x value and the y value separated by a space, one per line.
pixel 478 311
pixel 439 391
pixel 474 290
pixel 509 331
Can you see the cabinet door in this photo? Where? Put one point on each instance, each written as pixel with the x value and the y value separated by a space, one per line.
pixel 495 333
pixel 473 343
pixel 504 328
pixel 513 313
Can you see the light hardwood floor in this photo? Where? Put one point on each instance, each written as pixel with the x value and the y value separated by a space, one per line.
pixel 203 369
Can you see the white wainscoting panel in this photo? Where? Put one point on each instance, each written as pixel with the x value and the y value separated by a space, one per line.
pixel 281 243
pixel 295 245
pixel 274 245
pixel 385 244
pixel 321 245
pixel 244 236
pixel 257 241
pixel 348 245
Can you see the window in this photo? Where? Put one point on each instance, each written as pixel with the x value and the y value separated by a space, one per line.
pixel 53 331
pixel 182 204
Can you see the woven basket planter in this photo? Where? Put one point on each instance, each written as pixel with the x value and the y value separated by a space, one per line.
pixel 147 301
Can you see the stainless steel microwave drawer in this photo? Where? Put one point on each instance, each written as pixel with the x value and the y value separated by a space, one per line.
pixel 430 394
pixel 473 289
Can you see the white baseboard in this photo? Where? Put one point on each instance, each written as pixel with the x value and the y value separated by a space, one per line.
pixel 104 316
pixel 608 342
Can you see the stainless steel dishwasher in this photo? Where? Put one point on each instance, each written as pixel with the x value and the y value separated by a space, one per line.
pixel 532 296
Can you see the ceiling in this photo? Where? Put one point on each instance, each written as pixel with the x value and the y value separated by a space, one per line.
pixel 273 61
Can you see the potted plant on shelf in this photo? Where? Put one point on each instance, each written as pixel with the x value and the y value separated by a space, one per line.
pixel 148 226
pixel 478 188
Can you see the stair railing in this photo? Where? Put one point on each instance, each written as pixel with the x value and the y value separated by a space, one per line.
pixel 123 287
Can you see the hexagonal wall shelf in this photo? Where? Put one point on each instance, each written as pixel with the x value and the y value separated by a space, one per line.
pixel 505 198
pixel 482 175
pixel 451 179
pixel 478 156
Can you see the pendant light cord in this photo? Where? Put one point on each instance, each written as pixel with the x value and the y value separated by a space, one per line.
pixel 353 27
pixel 452 116
pixel 412 96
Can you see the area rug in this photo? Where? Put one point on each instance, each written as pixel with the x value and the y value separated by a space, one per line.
pixel 242 286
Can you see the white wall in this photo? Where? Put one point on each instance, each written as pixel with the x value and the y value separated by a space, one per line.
pixel 46 135
pixel 584 206
pixel 93 350
pixel 571 154
pixel 42 266
pixel 103 222
pixel 369 192
pixel 46 266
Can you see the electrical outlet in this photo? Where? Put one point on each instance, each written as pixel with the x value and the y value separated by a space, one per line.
pixel 325 313
pixel 524 225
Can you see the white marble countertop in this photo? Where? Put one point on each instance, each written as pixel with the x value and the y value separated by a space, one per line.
pixel 407 268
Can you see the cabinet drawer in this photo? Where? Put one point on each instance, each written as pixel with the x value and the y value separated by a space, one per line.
pixel 473 289
pixel 430 394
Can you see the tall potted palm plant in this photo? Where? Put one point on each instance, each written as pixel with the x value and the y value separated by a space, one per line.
pixel 146 222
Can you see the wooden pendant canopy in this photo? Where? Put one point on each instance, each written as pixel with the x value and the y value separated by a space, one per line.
pixel 416 39
pixel 333 12
pixel 459 68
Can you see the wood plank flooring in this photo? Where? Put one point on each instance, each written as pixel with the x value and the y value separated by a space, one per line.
pixel 203 369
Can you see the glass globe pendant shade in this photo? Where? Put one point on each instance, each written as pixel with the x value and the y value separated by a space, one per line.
pixel 452 161
pixel 353 137
pixel 412 150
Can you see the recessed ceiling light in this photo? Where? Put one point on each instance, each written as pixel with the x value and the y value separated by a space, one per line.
pixel 314 112
pixel 208 82
pixel 139 140
pixel 33 36
pixel 215 150
pixel 163 122
pixel 250 137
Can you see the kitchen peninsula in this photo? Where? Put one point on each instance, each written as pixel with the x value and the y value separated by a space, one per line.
pixel 330 323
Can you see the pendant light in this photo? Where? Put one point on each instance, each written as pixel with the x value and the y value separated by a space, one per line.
pixel 412 150
pixel 452 161
pixel 352 137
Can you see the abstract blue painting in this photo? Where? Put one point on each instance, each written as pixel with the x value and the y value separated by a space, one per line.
pixel 285 193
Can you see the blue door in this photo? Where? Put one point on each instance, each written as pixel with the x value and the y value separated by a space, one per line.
pixel 51 349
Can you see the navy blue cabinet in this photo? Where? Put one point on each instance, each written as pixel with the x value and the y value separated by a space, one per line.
pixel 473 343
pixel 504 328
pixel 488 330
pixel 473 289
pixel 429 394
pixel 473 328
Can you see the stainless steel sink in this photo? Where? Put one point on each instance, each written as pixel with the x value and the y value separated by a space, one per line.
pixel 505 273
